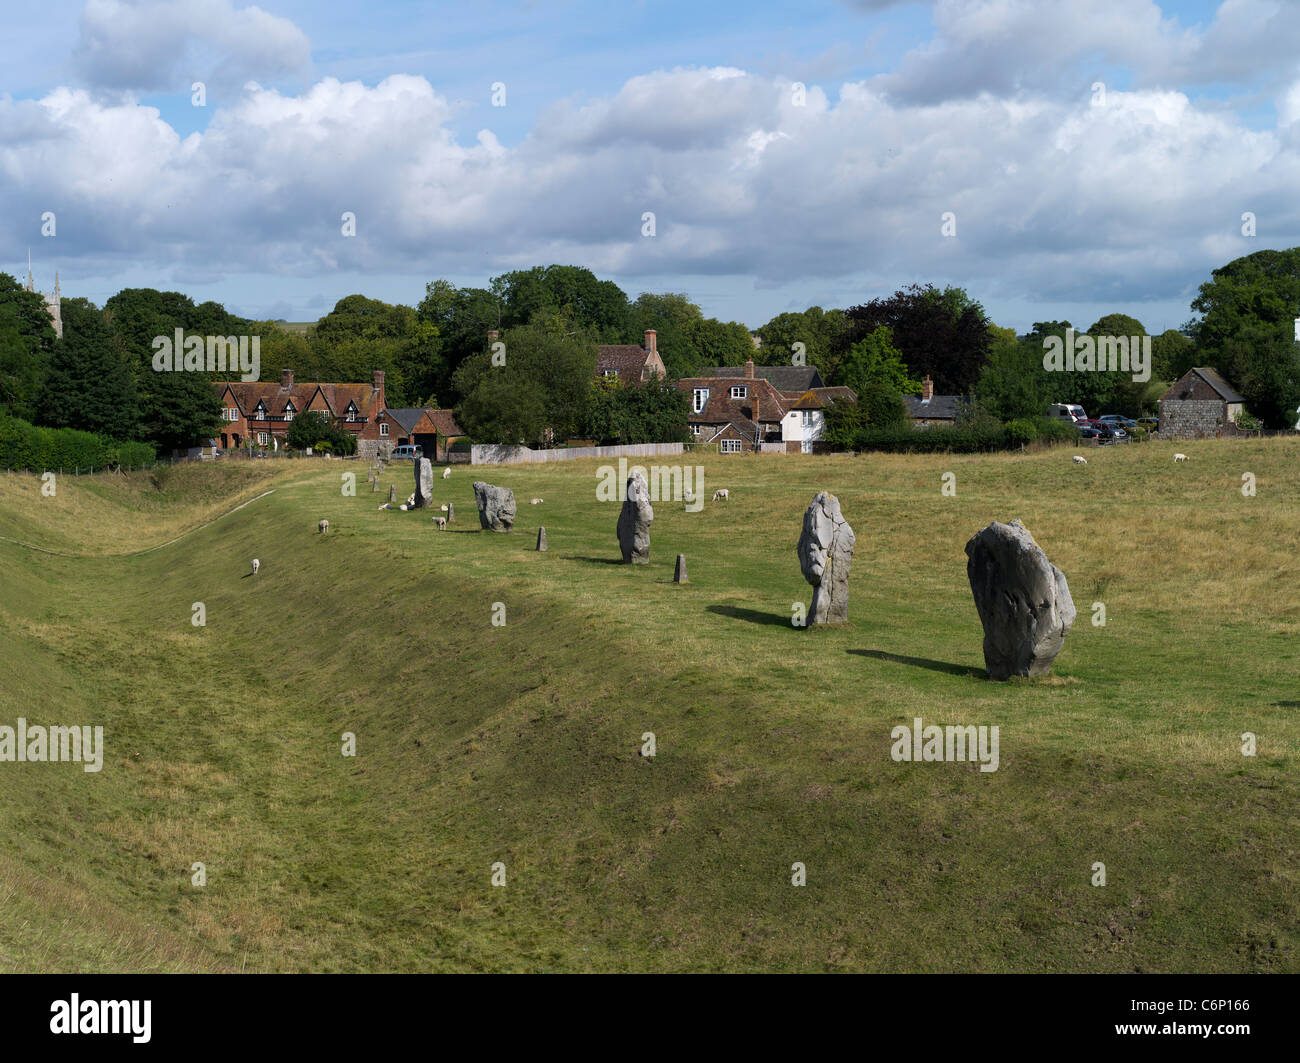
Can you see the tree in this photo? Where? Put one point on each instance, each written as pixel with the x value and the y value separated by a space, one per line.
pixel 874 363
pixel 89 384
pixel 573 294
pixel 1013 385
pixel 26 341
pixel 541 391
pixel 1172 354
pixel 821 332
pixel 644 412
pixel 943 334
pixel 315 429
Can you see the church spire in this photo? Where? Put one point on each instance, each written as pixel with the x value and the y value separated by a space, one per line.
pixel 30 282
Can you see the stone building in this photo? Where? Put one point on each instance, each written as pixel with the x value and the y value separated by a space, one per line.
pixel 53 303
pixel 1201 404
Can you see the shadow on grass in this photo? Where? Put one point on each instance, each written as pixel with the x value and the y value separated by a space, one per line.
pixel 1286 704
pixel 594 560
pixel 752 615
pixel 921 662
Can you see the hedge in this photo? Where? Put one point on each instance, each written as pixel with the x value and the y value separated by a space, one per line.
pixel 961 439
pixel 25 446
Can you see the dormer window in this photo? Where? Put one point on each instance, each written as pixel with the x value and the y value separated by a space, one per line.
pixel 701 397
pixel 260 412
pixel 610 372
pixel 289 411
pixel 352 411
pixel 739 391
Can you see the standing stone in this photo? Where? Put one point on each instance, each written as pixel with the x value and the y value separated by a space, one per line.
pixel 634 521
pixel 496 507
pixel 825 556
pixel 374 485
pixel 423 483
pixel 541 538
pixel 392 494
pixel 451 512
pixel 1023 601
pixel 679 573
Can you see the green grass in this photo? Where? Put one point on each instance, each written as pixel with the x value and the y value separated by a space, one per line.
pixel 521 743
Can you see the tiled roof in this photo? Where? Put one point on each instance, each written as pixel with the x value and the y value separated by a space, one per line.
pixel 939 408
pixel 276 398
pixel 406 418
pixel 1224 390
pixel 787 379
pixel 819 398
pixel 720 408
pixel 626 359
pixel 443 422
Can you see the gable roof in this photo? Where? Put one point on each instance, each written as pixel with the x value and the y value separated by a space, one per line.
pixel 819 398
pixel 787 379
pixel 247 394
pixel 443 422
pixel 406 419
pixel 1221 387
pixel 939 408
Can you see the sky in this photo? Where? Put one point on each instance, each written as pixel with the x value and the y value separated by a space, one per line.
pixel 1056 159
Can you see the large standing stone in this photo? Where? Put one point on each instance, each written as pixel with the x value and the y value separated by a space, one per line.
pixel 634 521
pixel 496 506
pixel 825 556
pixel 1022 599
pixel 423 483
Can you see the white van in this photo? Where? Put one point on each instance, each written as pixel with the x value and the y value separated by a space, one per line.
pixel 1067 411
pixel 408 452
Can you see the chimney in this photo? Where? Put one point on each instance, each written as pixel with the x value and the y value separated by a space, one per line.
pixel 493 335
pixel 286 379
pixel 379 380
pixel 927 388
pixel 651 341
pixel 749 369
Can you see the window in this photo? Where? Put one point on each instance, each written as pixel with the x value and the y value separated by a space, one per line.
pixel 739 392
pixel 289 411
pixel 696 429
pixel 807 418
pixel 701 397
pixel 731 446
pixel 352 412
pixel 263 438
pixel 260 412
pixel 611 372
pixel 231 415
pixel 383 429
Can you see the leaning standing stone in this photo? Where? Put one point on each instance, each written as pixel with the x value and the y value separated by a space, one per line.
pixel 634 521
pixel 679 573
pixel 1023 601
pixel 541 538
pixel 496 506
pixel 423 483
pixel 825 556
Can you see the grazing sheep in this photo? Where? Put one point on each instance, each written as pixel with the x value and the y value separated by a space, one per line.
pixel 441 522
pixel 256 565
pixel 410 501
pixel 323 526
pixel 721 493
pixel 688 495
pixel 534 501
pixel 1180 457
pixel 1080 460
pixel 446 472
pixel 443 507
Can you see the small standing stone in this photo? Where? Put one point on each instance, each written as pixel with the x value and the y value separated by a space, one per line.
pixel 451 512
pixel 679 573
pixel 374 485
pixel 541 538
pixel 392 494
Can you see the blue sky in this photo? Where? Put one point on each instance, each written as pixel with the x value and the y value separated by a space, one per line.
pixel 1065 205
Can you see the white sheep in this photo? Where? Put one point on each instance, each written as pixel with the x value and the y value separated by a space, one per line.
pixel 1180 457
pixel 443 507
pixel 410 500
pixel 446 472
pixel 721 493
pixel 535 501
pixel 1079 460
pixel 256 565
pixel 441 522
pixel 323 526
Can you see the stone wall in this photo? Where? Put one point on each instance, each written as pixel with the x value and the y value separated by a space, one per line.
pixel 491 454
pixel 1194 419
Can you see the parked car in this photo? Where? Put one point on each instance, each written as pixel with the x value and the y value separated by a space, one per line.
pixel 407 453
pixel 1116 419
pixel 1149 423
pixel 1067 411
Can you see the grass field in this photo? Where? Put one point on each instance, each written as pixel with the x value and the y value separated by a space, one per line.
pixel 521 743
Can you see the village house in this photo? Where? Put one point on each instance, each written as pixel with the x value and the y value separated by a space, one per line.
pixel 261 412
pixel 744 408
pixel 628 362
pixel 929 409
pixel 1200 404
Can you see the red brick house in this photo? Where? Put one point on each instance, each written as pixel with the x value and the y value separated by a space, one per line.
pixel 261 412
pixel 630 363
